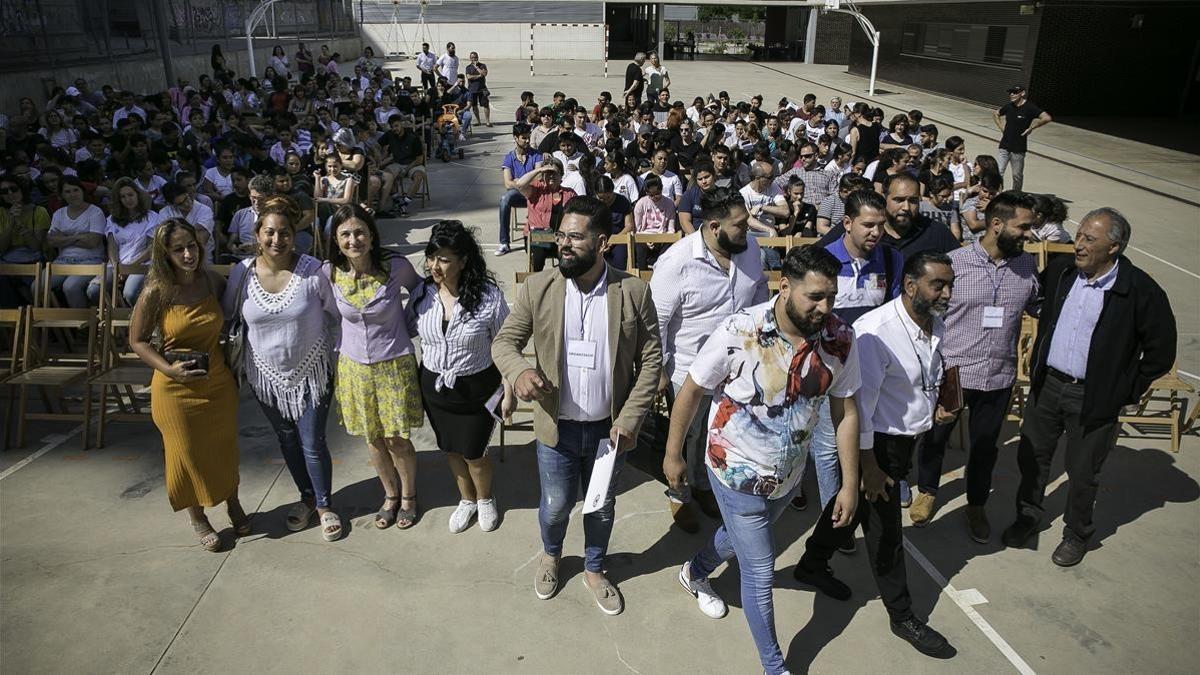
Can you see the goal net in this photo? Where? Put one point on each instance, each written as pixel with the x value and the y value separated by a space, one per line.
pixel 585 45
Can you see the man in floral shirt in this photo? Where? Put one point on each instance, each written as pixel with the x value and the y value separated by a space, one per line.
pixel 770 367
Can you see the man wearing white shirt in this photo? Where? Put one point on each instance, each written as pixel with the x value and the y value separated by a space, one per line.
pixel 448 64
pixel 426 62
pixel 700 281
pixel 128 107
pixel 180 204
pixel 901 368
pixel 595 335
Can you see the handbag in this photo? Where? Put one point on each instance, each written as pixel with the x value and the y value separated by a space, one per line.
pixel 234 344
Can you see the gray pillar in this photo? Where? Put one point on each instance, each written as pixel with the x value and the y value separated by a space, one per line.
pixel 658 31
pixel 164 47
pixel 810 36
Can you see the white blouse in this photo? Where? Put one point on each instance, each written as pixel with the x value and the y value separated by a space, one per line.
pixel 290 335
pixel 466 346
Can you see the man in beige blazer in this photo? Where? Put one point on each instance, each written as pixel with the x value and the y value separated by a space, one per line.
pixel 598 359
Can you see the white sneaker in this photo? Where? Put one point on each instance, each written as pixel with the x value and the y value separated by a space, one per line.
pixel 706 598
pixel 489 518
pixel 502 249
pixel 461 518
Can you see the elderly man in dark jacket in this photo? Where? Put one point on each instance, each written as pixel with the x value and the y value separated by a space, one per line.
pixel 1105 333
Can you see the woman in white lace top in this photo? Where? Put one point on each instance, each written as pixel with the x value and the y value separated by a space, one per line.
pixel 291 329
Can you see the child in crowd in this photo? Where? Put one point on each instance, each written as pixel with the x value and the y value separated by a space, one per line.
pixel 653 214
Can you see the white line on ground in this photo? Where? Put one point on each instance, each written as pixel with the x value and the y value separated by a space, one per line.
pixel 52 442
pixel 964 601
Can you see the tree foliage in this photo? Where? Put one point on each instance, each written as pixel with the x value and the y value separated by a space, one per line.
pixel 726 12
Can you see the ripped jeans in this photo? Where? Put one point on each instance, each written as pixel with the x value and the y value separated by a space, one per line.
pixel 561 470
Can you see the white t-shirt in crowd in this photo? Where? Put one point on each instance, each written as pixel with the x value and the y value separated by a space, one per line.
pixel 91 221
pixel 571 176
pixel 224 184
pixel 448 66
pixel 134 237
pixel 627 187
pixel 201 216
pixel 672 186
pixel 772 197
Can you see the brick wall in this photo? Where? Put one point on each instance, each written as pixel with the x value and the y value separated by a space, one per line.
pixel 1091 58
pixel 985 83
pixel 833 38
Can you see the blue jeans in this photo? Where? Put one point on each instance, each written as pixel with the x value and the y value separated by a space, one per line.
pixel 302 443
pixel 561 469
pixel 130 291
pixel 695 447
pixel 746 534
pixel 508 200
pixel 822 450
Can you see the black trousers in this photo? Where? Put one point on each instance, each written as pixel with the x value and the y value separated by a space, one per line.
pixel 988 409
pixel 880 521
pixel 1055 410
pixel 428 81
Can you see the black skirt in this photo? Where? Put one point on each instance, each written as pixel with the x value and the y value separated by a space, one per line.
pixel 460 421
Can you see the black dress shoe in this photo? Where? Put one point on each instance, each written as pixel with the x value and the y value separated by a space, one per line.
pixel 1069 552
pixel 923 638
pixel 707 502
pixel 800 501
pixel 822 580
pixel 1019 532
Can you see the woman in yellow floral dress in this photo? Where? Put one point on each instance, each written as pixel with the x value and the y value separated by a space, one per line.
pixel 377 388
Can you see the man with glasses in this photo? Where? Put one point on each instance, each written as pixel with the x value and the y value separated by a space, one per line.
pixel 598 361
pixel 818 183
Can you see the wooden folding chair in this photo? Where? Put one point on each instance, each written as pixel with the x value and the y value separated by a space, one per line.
pixel 425 195
pixel 12 323
pixel 649 239
pixel 516 226
pixel 28 271
pixel 1151 414
pixel 119 373
pixel 43 368
pixel 536 237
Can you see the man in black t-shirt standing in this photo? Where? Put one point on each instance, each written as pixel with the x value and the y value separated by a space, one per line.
pixel 1016 120
pixel 635 79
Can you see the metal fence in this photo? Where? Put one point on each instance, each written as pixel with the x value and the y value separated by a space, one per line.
pixel 57 33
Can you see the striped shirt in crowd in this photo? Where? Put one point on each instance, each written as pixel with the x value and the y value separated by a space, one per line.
pixel 465 347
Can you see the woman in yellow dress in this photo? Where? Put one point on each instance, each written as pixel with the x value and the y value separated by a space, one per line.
pixel 193 403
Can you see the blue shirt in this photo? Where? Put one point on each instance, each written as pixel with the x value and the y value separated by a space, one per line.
pixel 862 283
pixel 1072 339
pixel 518 168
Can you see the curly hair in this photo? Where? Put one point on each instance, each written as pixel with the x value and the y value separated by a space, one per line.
pixel 476 277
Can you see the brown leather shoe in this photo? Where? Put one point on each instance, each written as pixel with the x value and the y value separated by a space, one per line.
pixel 978 525
pixel 922 509
pixel 684 515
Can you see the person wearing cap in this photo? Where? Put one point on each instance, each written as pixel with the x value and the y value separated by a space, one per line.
pixel 1016 120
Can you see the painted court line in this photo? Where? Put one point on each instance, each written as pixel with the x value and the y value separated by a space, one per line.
pixel 965 601
pixel 52 442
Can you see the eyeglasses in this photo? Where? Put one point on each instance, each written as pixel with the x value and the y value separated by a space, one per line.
pixel 808 156
pixel 573 237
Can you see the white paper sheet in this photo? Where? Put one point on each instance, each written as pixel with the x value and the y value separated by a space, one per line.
pixel 602 471
pixel 493 404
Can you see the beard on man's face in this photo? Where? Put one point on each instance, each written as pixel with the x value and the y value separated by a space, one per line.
pixel 573 263
pixel 729 245
pixel 1009 245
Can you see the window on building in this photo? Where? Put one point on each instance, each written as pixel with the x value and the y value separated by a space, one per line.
pixel 971 43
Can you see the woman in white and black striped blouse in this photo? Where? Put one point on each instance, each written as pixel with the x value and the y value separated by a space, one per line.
pixel 458 311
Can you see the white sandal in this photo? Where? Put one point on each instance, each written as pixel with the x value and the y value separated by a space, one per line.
pixel 329 520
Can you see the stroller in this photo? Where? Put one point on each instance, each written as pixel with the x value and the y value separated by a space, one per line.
pixel 448 128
